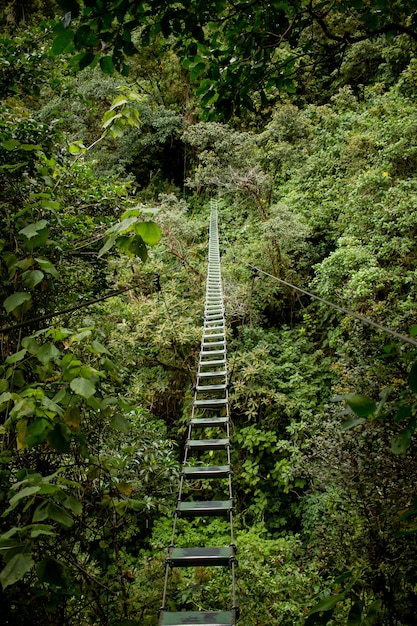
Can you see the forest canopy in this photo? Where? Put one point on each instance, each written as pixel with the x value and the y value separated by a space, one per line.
pixel 119 121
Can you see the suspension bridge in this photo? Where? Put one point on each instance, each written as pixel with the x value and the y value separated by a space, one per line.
pixel 209 414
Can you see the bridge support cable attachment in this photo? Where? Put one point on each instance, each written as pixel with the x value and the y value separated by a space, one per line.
pixel 210 410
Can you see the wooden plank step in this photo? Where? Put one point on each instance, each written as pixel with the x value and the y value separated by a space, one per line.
pixel 206 471
pixel 208 444
pixel 197 557
pixel 211 508
pixel 197 618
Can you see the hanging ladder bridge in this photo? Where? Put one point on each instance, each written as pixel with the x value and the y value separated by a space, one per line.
pixel 210 413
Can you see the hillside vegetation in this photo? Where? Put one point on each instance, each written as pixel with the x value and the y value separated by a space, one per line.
pixel 106 178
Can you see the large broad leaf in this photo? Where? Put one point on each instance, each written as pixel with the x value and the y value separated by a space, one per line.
pixel 58 514
pixel 17 301
pixel 51 571
pixel 31 278
pixel 132 246
pixel 85 37
pixel 361 405
pixel 17 356
pixel 26 492
pixel 15 569
pixel 401 443
pixel 107 65
pixel 62 41
pixel 83 387
pixel 149 231
pixel 33 228
pixel 47 352
pixel 47 266
pixel 70 6
pixel 60 438
pixel 109 243
pixel 327 603
pixel 412 378
pixel 118 422
pixel 351 422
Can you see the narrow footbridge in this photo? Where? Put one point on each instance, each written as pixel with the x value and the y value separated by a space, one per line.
pixel 209 418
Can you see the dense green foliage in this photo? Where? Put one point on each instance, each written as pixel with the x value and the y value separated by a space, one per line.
pixel 105 179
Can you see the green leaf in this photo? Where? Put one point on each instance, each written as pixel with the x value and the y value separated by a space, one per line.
pixel 16 357
pixel 23 493
pixel 109 117
pixel 361 405
pixel 119 101
pixel 133 246
pixel 118 422
pixel 98 348
pixel 107 246
pixel 37 241
pixel 83 60
pixel 51 571
pixel 15 569
pixel 58 514
pixel 70 6
pixel 124 226
pixel 85 37
pixel 401 443
pixel 31 278
pixel 5 397
pixel 372 614
pixel 149 231
pixel 327 603
pixel 351 422
pixel 60 438
pixel 73 504
pixel 47 266
pixel 83 387
pixel 412 378
pixel 12 303
pixel 62 41
pixel 31 230
pixel 355 614
pixel 42 529
pixel 47 352
pixel 107 65
pixel 197 70
pixel 10 144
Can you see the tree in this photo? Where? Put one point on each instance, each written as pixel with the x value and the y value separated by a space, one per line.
pixel 232 50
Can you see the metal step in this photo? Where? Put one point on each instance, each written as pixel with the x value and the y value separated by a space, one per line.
pixel 216 363
pixel 197 557
pixel 208 444
pixel 211 508
pixel 209 353
pixel 208 471
pixel 216 374
pixel 214 404
pixel 197 618
pixel 207 422
pixel 210 388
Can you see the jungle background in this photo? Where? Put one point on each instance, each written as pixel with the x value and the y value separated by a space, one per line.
pixel 117 125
